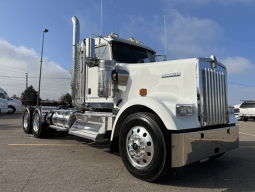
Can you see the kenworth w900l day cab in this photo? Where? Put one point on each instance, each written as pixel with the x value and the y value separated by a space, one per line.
pixel 159 115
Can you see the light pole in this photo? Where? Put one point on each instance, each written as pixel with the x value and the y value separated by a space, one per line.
pixel 38 95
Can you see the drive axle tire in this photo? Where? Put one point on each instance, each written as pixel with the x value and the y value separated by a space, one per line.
pixel 27 120
pixel 39 129
pixel 245 119
pixel 144 148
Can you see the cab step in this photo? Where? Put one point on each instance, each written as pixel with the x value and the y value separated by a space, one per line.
pixel 92 125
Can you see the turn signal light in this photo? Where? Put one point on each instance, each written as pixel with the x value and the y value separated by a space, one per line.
pixel 143 92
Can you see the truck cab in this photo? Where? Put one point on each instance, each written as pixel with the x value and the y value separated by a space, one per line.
pixel 158 114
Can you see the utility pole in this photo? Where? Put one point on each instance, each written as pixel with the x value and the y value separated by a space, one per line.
pixel 26 81
pixel 38 95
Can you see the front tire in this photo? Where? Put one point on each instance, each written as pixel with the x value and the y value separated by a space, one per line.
pixel 143 147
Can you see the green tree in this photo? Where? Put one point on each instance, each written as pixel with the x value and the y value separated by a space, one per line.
pixel 14 96
pixel 66 98
pixel 29 96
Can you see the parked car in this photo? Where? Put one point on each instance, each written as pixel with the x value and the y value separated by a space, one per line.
pixel 12 104
pixel 236 113
pixel 247 110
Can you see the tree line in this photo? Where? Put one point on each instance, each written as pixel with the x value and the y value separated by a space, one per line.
pixel 29 97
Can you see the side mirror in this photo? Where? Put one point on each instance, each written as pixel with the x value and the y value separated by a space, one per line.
pixel 90 52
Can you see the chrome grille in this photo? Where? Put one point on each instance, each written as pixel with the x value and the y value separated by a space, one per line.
pixel 214 100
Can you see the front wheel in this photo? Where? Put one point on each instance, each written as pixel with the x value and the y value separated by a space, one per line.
pixel 143 147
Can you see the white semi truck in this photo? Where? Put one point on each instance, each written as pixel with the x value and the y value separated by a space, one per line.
pixel 158 115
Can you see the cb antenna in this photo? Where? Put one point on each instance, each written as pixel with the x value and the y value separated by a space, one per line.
pixel 118 20
pixel 101 24
pixel 165 32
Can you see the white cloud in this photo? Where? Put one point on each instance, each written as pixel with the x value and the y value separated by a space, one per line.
pixel 186 36
pixel 190 36
pixel 15 62
pixel 238 65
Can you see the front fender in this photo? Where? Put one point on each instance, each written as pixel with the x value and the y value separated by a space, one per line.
pixel 164 107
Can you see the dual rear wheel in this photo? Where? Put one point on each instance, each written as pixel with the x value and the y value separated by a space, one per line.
pixel 32 123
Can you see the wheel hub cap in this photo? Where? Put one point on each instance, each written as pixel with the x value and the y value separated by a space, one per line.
pixel 139 146
pixel 25 123
pixel 36 123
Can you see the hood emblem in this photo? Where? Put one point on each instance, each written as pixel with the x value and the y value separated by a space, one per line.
pixel 171 75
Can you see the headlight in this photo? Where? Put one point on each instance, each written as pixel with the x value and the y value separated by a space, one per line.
pixel 184 110
pixel 231 110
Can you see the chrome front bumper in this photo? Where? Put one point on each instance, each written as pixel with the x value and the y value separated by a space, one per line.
pixel 191 147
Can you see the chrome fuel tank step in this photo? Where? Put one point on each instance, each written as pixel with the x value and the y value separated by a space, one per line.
pixel 92 125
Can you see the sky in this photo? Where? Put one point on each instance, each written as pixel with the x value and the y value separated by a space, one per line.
pixel 195 28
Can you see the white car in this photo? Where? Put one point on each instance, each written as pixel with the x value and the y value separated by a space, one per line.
pixel 247 110
pixel 236 113
pixel 12 104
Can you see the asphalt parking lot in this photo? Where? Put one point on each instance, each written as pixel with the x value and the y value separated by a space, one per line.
pixel 69 163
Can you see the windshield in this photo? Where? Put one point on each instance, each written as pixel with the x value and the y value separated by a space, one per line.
pixel 125 53
pixel 248 105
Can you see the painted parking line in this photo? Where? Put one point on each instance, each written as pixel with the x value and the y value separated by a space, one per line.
pixel 60 145
pixel 247 134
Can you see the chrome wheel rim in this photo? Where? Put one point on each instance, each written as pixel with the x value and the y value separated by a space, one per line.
pixel 139 146
pixel 36 123
pixel 25 122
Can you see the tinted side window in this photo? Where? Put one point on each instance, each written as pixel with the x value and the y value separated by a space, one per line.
pixel 2 96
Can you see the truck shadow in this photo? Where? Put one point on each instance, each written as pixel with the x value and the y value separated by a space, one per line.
pixel 61 135
pixel 234 171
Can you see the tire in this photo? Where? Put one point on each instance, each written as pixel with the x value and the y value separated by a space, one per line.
pixel 27 120
pixel 144 148
pixel 11 110
pixel 39 129
pixel 245 119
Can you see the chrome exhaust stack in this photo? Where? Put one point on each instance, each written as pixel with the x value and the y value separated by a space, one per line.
pixel 75 62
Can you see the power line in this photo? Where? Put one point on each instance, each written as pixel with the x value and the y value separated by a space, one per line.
pixel 36 77
pixel 242 84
